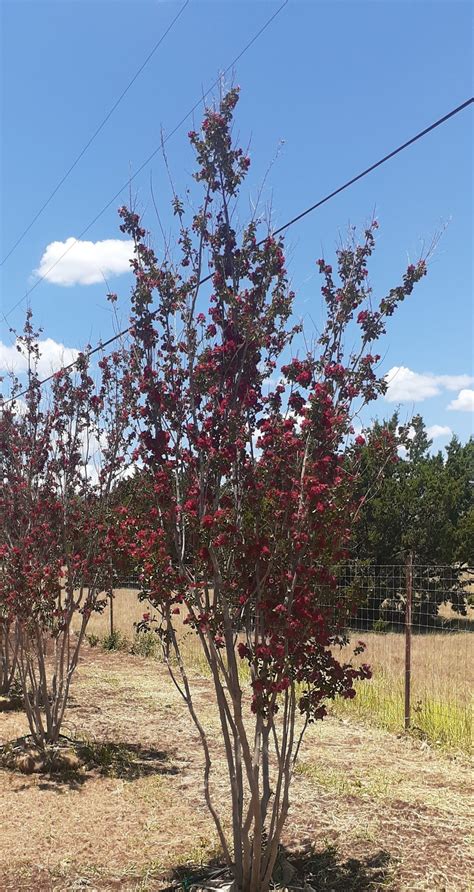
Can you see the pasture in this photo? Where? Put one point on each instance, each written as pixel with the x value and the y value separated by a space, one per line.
pixel 442 674
pixel 370 810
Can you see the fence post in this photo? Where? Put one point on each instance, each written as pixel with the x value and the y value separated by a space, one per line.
pixel 408 625
pixel 111 614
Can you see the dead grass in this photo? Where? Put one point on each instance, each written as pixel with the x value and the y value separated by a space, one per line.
pixel 370 811
pixel 442 675
pixel 442 683
pixel 127 611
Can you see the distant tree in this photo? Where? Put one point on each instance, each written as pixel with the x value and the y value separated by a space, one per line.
pixel 460 471
pixel 423 506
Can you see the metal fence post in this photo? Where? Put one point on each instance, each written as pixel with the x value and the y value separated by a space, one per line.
pixel 408 626
pixel 111 614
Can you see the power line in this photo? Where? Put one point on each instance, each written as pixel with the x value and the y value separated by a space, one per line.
pixel 150 157
pixel 101 346
pixel 372 167
pixel 96 132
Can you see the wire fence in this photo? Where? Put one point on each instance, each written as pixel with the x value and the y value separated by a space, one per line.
pixel 415 621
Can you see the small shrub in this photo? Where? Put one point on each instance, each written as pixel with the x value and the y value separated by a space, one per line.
pixel 14 699
pixel 112 759
pixel 146 644
pixel 381 625
pixel 115 641
pixel 93 640
pixel 15 694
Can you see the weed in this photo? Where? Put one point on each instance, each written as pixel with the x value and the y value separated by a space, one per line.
pixel 146 644
pixel 381 625
pixel 112 759
pixel 115 641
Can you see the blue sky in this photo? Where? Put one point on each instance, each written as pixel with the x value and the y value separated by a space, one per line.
pixel 339 83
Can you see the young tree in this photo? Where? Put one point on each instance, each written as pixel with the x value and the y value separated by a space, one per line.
pixel 8 629
pixel 56 561
pixel 8 651
pixel 250 503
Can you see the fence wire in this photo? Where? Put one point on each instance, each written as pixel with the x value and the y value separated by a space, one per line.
pixel 415 621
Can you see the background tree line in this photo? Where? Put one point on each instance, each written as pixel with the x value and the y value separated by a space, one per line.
pixel 424 505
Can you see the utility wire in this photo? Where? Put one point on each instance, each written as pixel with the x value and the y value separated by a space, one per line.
pixel 99 347
pixel 96 133
pixel 372 167
pixel 150 157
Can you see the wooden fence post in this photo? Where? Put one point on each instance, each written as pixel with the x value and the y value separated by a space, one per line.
pixel 408 626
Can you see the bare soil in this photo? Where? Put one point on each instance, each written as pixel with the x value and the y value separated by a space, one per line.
pixel 370 811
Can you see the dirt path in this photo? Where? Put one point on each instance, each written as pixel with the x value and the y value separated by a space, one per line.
pixel 380 812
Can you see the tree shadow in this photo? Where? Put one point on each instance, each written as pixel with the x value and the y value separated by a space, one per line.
pixel 128 761
pixel 318 870
pixel 73 762
pixel 327 870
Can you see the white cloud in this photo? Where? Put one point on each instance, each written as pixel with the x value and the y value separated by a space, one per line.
pixel 85 263
pixel 454 382
pixel 438 430
pixel 53 356
pixel 433 432
pixel 464 401
pixel 404 385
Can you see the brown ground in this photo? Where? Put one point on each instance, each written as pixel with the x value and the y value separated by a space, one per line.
pixel 381 812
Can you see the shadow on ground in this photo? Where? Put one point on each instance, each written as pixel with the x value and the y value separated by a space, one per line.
pixel 74 762
pixel 321 871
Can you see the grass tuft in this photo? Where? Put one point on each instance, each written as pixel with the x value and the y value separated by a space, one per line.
pixel 112 759
pixel 445 722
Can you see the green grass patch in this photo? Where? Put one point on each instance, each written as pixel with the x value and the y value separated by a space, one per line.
pixel 446 722
pixel 112 759
pixel 369 783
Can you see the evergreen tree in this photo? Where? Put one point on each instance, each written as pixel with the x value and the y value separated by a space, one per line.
pixel 423 506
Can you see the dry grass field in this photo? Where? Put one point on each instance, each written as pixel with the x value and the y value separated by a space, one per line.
pixel 442 675
pixel 127 611
pixel 370 810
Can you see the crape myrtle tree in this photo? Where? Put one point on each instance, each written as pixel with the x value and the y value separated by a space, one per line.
pixel 8 654
pixel 250 504
pixel 8 630
pixel 60 453
pixel 8 648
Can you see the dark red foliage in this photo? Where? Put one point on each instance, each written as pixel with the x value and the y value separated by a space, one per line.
pixel 252 490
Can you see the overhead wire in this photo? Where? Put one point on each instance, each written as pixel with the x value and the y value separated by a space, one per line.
pixel 381 161
pixel 150 157
pixel 95 133
pixel 103 344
